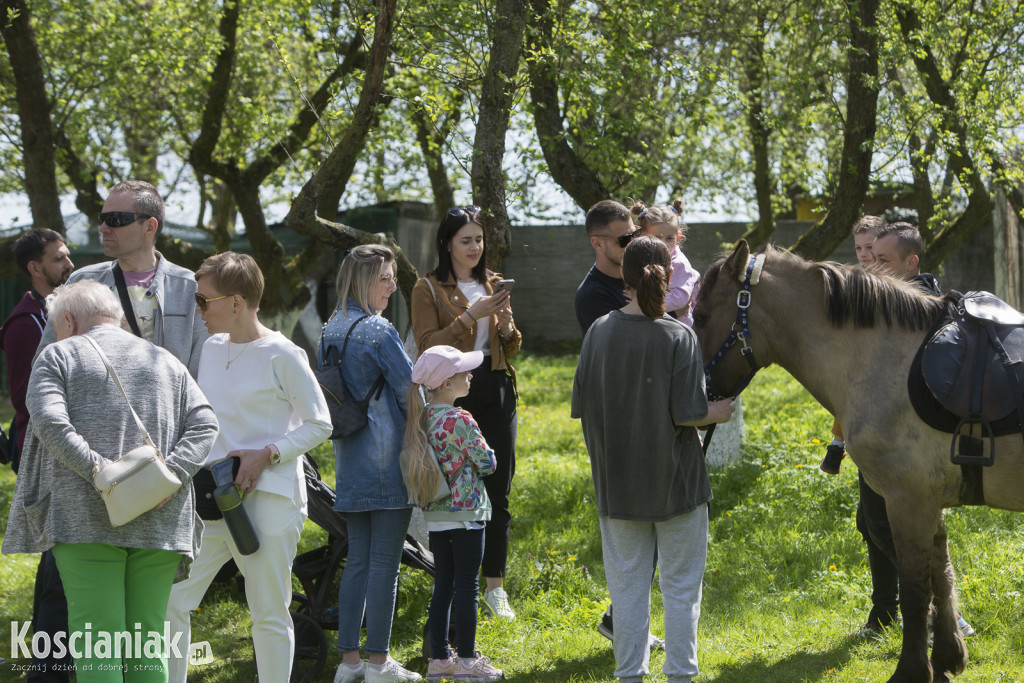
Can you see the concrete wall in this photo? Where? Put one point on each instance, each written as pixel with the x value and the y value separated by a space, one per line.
pixel 549 262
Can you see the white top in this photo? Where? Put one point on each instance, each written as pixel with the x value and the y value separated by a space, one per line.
pixel 473 291
pixel 268 395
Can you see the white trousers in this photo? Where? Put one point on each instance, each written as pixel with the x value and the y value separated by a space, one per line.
pixel 268 585
pixel 682 545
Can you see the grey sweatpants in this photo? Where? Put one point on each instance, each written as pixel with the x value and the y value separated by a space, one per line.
pixel 682 546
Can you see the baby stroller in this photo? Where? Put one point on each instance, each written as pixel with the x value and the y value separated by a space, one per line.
pixel 317 569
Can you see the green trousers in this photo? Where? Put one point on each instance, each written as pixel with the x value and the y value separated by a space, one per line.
pixel 117 607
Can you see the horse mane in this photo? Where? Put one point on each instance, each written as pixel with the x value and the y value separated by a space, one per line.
pixel 857 296
pixel 867 299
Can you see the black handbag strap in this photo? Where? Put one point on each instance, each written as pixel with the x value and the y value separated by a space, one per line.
pixel 378 386
pixel 126 301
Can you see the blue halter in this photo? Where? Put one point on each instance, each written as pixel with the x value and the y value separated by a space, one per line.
pixel 740 330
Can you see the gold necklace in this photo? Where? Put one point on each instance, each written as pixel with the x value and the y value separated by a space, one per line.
pixel 232 360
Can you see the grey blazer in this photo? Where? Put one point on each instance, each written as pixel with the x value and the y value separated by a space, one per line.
pixel 177 327
pixel 79 420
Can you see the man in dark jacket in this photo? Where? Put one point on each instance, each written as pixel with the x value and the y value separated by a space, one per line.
pixel 43 256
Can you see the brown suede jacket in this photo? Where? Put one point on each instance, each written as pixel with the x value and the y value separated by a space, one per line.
pixel 437 322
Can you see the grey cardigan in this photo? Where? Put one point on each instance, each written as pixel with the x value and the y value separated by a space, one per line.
pixel 79 421
pixel 177 327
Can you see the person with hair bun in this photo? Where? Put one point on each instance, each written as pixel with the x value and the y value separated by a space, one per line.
pixel 651 484
pixel 665 222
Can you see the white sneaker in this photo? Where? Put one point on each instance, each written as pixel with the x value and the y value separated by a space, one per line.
pixel 496 602
pixel 389 672
pixel 477 669
pixel 350 674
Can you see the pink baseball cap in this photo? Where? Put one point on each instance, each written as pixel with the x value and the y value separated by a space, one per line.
pixel 439 363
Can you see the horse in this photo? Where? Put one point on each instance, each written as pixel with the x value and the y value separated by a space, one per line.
pixel 849 337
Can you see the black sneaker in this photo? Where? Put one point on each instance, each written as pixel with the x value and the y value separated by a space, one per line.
pixel 605 627
pixel 833 459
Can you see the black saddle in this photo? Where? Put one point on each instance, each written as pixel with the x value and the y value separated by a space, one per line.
pixel 968 373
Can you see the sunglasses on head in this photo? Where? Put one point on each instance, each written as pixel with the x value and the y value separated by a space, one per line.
pixel 119 219
pixel 463 210
pixel 203 303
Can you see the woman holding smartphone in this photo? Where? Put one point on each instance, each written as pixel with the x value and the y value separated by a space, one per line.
pixel 460 304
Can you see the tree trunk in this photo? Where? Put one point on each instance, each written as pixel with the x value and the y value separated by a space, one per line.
pixel 858 135
pixel 764 185
pixel 496 99
pixel 33 114
pixel 566 167
pixel 432 142
pixel 88 199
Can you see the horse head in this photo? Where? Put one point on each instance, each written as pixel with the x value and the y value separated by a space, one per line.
pixel 720 319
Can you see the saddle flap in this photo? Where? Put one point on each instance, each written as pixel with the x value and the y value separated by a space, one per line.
pixel 957 371
pixel 987 306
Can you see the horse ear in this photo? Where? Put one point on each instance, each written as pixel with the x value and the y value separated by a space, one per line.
pixel 736 264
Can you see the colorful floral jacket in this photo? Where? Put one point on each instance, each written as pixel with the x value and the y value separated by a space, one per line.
pixel 465 459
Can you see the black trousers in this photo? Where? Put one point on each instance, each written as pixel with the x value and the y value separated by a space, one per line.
pixel 492 403
pixel 873 524
pixel 50 615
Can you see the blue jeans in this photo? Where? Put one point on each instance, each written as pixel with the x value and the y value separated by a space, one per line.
pixel 370 580
pixel 457 557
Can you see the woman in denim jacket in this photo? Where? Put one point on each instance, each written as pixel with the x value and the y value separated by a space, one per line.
pixel 370 490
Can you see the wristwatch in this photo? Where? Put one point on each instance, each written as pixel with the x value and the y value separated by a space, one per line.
pixel 275 455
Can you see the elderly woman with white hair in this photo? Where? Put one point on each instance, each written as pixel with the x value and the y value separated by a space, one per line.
pixel 117 579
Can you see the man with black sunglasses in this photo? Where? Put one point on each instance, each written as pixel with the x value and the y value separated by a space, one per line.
pixel 609 228
pixel 158 297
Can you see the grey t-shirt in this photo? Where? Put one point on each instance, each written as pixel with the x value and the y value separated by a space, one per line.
pixel 637 380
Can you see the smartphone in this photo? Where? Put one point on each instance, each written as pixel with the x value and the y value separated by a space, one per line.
pixel 504 286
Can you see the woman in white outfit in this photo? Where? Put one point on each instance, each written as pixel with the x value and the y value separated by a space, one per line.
pixel 271 410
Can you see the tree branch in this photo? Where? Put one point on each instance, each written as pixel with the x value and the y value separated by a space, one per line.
pixel 567 169
pixel 337 168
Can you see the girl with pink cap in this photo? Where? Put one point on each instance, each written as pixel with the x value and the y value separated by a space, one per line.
pixel 444 441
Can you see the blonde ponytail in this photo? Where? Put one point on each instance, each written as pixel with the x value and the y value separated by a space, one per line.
pixel 420 474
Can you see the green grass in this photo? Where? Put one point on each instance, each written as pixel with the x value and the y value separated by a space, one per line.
pixel 786 579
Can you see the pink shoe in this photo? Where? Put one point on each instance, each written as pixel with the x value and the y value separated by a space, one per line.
pixel 439 669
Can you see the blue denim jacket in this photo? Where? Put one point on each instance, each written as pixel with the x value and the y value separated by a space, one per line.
pixel 366 465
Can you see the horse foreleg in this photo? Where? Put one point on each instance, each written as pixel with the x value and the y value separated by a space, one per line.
pixel 949 652
pixel 914 529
